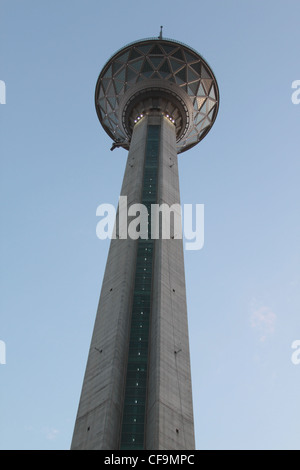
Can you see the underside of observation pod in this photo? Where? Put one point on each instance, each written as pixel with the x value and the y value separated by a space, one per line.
pixel 160 75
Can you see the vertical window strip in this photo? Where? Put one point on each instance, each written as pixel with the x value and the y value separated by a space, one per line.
pixel 134 410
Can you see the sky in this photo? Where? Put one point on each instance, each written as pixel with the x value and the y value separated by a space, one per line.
pixel 243 286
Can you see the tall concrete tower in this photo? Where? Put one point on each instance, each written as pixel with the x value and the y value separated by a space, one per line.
pixel 156 98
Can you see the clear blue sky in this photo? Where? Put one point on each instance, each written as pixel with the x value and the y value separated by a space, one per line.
pixel 56 168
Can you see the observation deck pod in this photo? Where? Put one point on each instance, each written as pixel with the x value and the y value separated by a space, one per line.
pixel 161 75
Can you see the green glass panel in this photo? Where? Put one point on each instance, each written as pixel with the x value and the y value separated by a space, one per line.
pixel 134 54
pixel 191 140
pixel 108 108
pixel 145 49
pixel 155 61
pixel 202 105
pixel 192 134
pixel 156 50
pixel 168 49
pixel 204 73
pixel 101 93
pixel 137 64
pixel 197 67
pixel 210 104
pixel 199 118
pixel 206 83
pixel 121 75
pixel 121 134
pixel 110 91
pixel 193 87
pixel 198 127
pixel 106 121
pixel 178 54
pixel 191 75
pixel 176 65
pixel 102 102
pixel 165 68
pixel 105 83
pixel 132 435
pixel 210 114
pixel 112 101
pixel 212 93
pixel 131 75
pixel 205 123
pixel 181 75
pixel 148 74
pixel 116 66
pixel 200 101
pixel 146 67
pixel 114 119
pixel 123 58
pixel 178 80
pixel 108 73
pixel 201 91
pixel 118 86
pixel 190 57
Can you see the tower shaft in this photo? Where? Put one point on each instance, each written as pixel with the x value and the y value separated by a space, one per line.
pixel 136 391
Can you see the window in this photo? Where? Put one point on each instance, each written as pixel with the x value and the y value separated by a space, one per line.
pixel 136 378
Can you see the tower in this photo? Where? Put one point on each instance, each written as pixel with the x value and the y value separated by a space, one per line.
pixel 155 98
